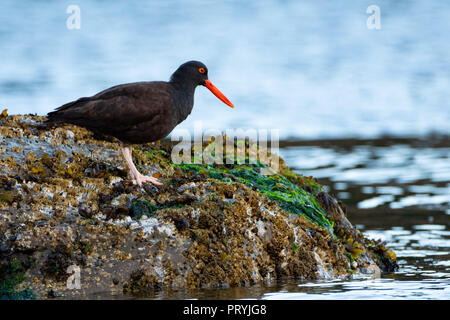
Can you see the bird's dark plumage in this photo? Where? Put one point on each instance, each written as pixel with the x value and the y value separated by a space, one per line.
pixel 137 112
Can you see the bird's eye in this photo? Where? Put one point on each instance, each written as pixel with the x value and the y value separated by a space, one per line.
pixel 201 70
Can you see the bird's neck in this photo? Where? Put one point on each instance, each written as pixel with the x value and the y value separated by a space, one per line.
pixel 184 98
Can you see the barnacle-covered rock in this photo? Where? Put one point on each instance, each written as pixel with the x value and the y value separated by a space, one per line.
pixel 68 206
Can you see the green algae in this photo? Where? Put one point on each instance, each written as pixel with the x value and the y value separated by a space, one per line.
pixel 142 207
pixel 11 275
pixel 289 196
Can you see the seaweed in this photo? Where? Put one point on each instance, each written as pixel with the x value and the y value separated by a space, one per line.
pixel 289 196
pixel 140 208
pixel 11 275
pixel 143 208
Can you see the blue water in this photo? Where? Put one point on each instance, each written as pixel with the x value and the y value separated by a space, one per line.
pixel 309 68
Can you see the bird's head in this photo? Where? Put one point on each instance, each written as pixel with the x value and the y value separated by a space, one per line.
pixel 197 73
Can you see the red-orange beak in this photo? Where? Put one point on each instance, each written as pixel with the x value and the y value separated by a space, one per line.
pixel 217 93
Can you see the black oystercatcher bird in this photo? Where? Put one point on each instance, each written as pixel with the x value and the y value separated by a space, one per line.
pixel 139 112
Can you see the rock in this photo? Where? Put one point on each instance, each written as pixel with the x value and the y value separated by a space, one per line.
pixel 69 206
pixel 85 211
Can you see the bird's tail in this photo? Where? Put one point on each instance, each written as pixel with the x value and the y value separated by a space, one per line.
pixel 61 115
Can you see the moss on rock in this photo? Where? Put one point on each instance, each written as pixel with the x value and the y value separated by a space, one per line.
pixel 11 275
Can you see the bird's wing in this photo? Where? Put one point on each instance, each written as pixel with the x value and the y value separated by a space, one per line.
pixel 120 106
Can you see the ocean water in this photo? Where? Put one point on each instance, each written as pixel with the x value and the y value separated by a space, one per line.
pixel 396 191
pixel 311 69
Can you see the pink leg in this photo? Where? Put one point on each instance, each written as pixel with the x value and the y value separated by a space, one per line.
pixel 135 174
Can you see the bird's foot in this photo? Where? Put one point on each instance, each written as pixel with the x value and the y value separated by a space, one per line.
pixel 140 179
